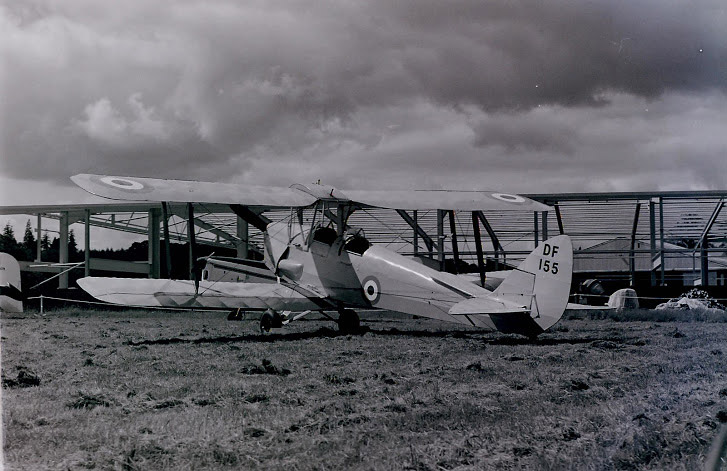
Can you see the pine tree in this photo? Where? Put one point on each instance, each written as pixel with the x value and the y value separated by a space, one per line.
pixel 9 244
pixel 29 240
pixel 8 232
pixel 45 242
pixel 72 247
pixel 51 253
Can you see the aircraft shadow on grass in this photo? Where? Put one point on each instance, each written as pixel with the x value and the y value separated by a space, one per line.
pixel 485 337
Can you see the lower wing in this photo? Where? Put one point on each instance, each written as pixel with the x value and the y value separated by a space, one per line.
pixel 181 293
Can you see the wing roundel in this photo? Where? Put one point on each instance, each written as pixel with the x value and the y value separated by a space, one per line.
pixel 445 199
pixel 185 191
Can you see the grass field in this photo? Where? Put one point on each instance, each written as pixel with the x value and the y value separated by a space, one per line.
pixel 150 390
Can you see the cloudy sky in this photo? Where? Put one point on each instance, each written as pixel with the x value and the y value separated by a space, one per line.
pixel 520 96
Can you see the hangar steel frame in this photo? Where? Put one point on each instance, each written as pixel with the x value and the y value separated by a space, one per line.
pixel 681 225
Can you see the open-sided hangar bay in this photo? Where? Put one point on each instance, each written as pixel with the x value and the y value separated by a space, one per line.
pixel 646 239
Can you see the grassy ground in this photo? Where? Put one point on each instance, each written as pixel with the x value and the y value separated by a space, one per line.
pixel 144 390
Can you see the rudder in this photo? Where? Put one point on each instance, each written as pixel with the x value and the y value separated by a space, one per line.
pixel 542 281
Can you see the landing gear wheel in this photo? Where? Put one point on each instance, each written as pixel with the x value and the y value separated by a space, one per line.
pixel 349 322
pixel 266 323
pixel 270 320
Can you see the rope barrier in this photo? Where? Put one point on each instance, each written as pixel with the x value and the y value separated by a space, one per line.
pixel 643 297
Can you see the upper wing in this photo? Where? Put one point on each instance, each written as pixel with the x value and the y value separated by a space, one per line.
pixel 444 199
pixel 184 191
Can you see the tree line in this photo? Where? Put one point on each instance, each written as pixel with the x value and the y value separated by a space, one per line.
pixel 26 249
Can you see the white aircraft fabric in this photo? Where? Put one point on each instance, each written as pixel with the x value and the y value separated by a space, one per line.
pixel 181 293
pixel 187 191
pixel 444 199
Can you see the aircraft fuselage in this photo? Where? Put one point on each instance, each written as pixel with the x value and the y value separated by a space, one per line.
pixel 361 275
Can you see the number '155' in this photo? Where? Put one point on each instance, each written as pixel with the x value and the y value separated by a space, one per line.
pixel 546 266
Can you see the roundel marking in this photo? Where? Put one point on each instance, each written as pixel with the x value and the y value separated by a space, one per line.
pixel 372 289
pixel 123 183
pixel 508 197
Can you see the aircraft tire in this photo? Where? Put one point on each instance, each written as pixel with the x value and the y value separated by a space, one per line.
pixel 349 322
pixel 266 323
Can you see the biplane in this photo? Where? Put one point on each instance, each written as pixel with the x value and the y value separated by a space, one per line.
pixel 314 261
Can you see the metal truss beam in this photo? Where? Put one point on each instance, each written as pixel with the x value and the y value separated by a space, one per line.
pixel 632 256
pixel 710 223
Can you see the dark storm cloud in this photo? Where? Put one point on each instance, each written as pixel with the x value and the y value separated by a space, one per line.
pixel 520 54
pixel 216 89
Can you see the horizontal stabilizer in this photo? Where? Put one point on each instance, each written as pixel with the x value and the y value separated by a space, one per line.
pixel 486 305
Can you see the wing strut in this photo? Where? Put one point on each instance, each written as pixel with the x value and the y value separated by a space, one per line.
pixel 495 241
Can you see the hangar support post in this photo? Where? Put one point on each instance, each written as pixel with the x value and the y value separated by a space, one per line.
pixel 167 243
pixel 440 238
pixel 661 240
pixel 703 243
pixel 63 248
pixel 87 243
pixel 38 242
pixel 652 239
pixel 153 245
pixel 243 234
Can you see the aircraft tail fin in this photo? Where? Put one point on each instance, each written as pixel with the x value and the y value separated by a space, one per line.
pixel 542 282
pixel 11 296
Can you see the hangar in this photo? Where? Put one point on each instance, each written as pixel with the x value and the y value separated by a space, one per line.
pixel 644 239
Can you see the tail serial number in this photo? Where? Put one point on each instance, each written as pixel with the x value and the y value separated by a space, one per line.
pixel 546 265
